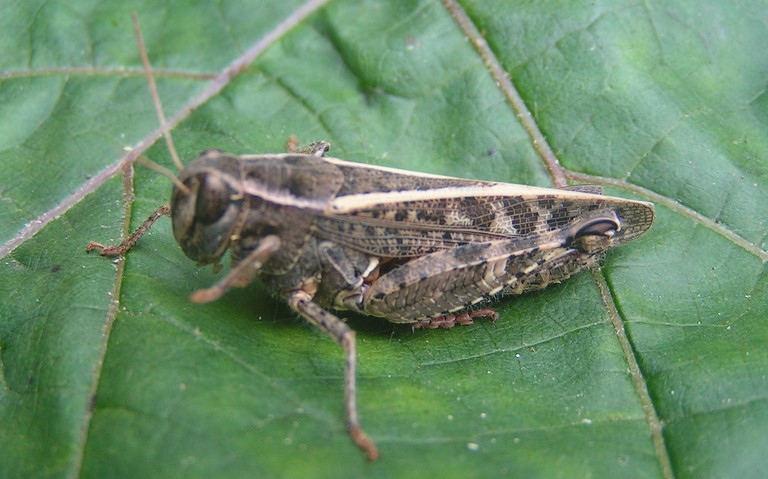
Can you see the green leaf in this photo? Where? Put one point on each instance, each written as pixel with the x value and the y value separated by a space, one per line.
pixel 654 365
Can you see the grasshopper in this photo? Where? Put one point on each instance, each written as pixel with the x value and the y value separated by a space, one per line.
pixel 425 250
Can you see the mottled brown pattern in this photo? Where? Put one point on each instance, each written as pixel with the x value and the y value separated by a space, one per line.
pixel 414 228
pixel 447 242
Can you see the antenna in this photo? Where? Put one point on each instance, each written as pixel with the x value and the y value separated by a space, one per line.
pixel 155 94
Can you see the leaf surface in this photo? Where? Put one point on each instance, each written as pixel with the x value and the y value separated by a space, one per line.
pixel 652 366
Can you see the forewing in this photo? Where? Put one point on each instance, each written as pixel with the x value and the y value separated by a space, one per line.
pixel 413 223
pixel 394 213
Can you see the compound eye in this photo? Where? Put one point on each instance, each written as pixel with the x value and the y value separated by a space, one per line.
pixel 213 199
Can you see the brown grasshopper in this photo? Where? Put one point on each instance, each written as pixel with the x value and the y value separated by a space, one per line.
pixel 426 250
